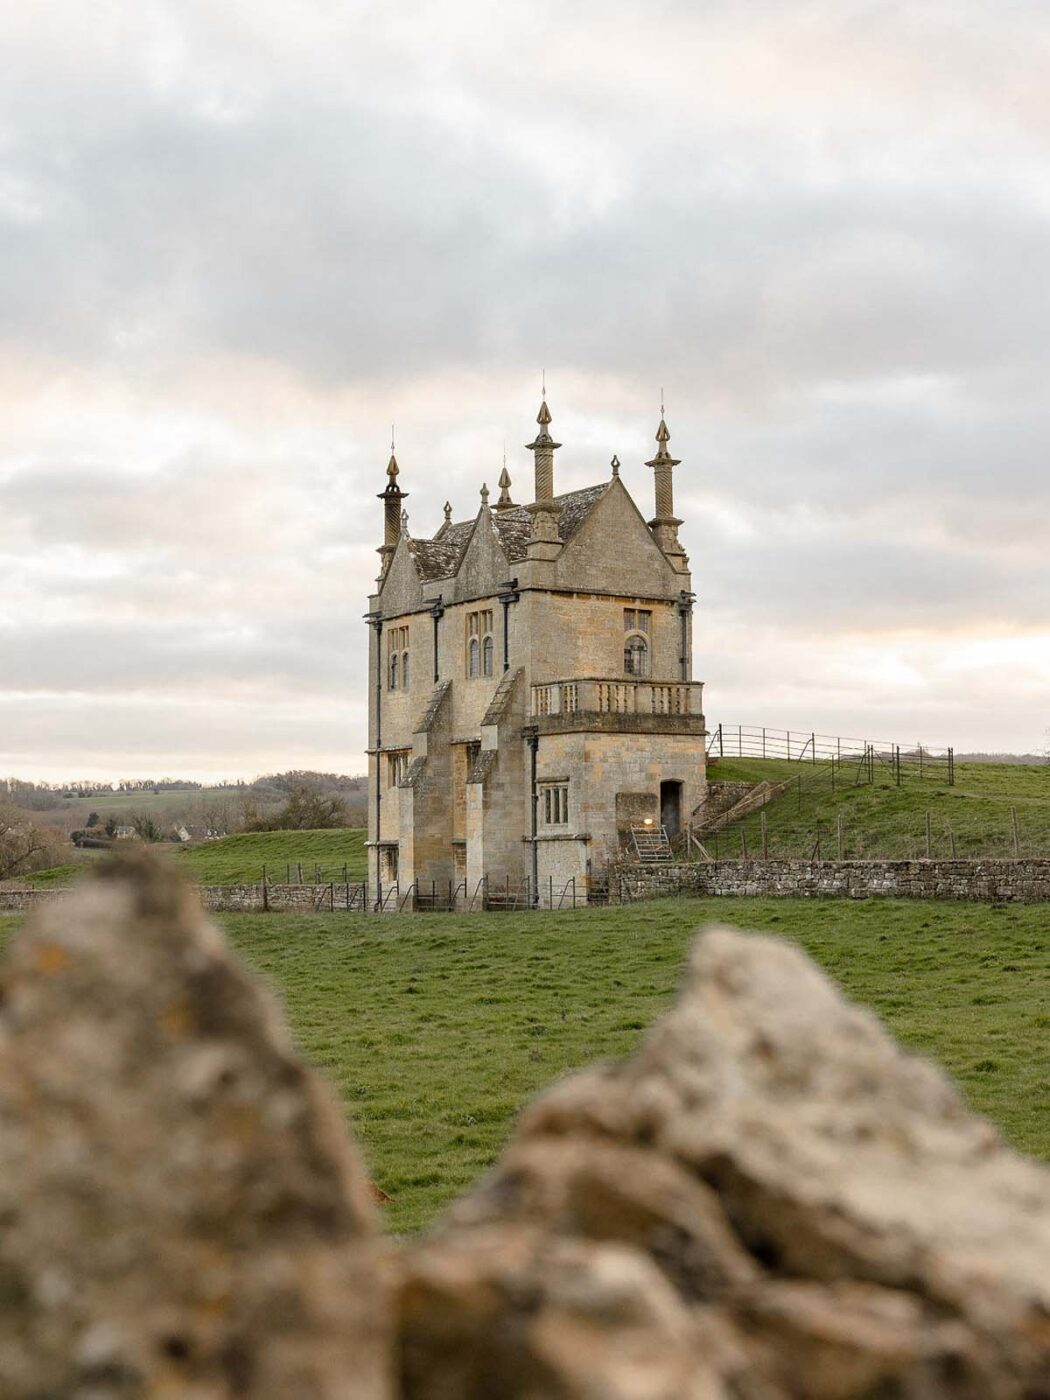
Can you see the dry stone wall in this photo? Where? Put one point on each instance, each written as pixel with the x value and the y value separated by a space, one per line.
pixel 993 881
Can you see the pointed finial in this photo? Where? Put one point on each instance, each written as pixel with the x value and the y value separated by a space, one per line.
pixel 404 522
pixel 392 468
pixel 484 494
pixel 504 501
pixel 448 512
pixel 544 415
pixel 615 468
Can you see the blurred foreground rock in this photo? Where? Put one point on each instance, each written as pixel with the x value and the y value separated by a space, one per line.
pixel 180 1211
pixel 769 1201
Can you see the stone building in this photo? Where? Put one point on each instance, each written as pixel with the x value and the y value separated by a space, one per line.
pixel 530 685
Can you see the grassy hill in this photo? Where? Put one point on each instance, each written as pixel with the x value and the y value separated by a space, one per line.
pixel 882 819
pixel 436 1029
pixel 239 860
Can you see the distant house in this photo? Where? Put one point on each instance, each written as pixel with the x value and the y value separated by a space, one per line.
pixel 187 832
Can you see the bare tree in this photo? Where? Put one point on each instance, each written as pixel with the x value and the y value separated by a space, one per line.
pixel 24 846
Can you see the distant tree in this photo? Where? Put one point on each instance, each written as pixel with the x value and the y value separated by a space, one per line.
pixel 112 822
pixel 93 819
pixel 25 847
pixel 305 810
pixel 146 829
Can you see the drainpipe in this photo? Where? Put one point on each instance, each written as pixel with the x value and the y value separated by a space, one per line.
pixel 437 612
pixel 685 609
pixel 378 625
pixel 510 595
pixel 533 739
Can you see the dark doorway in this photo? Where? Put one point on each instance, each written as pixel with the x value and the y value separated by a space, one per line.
pixel 671 807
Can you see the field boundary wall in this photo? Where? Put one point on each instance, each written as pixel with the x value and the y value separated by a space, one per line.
pixel 1021 881
pixel 991 881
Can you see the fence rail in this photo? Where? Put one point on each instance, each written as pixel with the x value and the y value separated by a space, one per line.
pixel 798 746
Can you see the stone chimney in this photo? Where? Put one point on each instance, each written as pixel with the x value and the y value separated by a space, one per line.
pixel 392 498
pixel 544 543
pixel 665 523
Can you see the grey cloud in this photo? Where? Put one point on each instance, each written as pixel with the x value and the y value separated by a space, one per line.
pixel 822 228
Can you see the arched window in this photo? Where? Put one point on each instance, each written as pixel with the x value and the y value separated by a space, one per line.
pixel 479 642
pixel 636 656
pixel 397 658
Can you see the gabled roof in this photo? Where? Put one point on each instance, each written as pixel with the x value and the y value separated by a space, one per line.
pixel 440 557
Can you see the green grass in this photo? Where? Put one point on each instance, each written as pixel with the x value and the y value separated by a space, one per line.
pixel 889 821
pixel 239 860
pixel 436 1029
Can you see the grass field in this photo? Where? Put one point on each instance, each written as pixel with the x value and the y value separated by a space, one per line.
pixel 239 860
pixel 885 820
pixel 436 1029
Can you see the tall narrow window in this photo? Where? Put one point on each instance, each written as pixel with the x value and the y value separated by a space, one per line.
pixel 397 653
pixel 554 799
pixel 636 656
pixel 637 624
pixel 479 643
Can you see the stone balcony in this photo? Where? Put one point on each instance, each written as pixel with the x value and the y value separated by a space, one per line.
pixel 618 704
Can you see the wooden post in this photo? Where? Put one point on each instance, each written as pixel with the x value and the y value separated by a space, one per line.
pixel 813 743
pixel 841 836
pixel 1016 830
pixel 951 838
pixel 765 835
pixel 929 836
pixel 800 792
pixel 299 871
pixel 265 893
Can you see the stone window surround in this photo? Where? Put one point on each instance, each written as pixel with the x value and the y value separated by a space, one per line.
pixel 397 761
pixel 397 673
pixel 554 801
pixel 637 643
pixel 479 645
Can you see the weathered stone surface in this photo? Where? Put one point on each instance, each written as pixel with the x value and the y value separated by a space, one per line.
pixel 770 1201
pixel 828 1218
pixel 180 1211
pixel 1025 881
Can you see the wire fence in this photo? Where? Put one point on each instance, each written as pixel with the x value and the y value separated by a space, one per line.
pixel 903 761
pixel 841 834
pixel 429 896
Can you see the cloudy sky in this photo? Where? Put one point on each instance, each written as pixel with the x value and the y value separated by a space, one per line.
pixel 239 238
